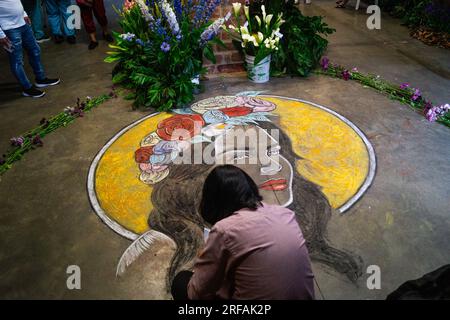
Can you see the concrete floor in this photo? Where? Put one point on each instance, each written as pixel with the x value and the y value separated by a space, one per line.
pixel 401 224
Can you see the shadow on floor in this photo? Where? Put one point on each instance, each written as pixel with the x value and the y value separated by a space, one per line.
pixel 9 91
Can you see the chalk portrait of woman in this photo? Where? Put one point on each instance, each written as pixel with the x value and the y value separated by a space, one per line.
pixel 177 186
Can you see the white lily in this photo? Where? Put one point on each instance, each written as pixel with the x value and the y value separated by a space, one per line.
pixel 253 40
pixel 258 19
pixel 263 9
pixel 244 30
pixel 260 37
pixel 237 8
pixel 269 19
pixel 247 12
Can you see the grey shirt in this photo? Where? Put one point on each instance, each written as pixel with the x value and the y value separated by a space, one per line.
pixel 11 15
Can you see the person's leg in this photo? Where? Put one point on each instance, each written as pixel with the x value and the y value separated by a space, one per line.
pixel 63 5
pixel 100 15
pixel 28 6
pixel 89 25
pixel 180 284
pixel 34 56
pixel 53 17
pixel 34 53
pixel 16 57
pixel 36 19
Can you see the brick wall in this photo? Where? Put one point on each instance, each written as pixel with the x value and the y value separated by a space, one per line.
pixel 228 59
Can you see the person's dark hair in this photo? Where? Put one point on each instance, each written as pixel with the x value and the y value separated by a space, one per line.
pixel 227 189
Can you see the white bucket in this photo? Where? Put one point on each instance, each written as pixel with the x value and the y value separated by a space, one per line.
pixel 259 73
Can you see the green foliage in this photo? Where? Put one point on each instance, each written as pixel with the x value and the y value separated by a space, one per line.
pixel 32 139
pixel 303 42
pixel 401 93
pixel 420 13
pixel 258 33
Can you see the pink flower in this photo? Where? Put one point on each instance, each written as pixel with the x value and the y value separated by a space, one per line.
pixel 128 5
pixel 416 95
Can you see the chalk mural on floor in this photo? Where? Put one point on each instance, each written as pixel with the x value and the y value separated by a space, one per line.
pixel 323 164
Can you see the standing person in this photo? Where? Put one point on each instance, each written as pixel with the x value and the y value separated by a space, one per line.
pixel 254 250
pixel 90 8
pixel 34 10
pixel 57 19
pixel 15 33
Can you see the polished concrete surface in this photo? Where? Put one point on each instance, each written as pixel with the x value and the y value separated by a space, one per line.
pixel 402 224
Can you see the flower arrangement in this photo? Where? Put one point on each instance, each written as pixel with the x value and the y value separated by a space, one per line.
pixel 33 138
pixel 404 92
pixel 304 38
pixel 258 35
pixel 161 49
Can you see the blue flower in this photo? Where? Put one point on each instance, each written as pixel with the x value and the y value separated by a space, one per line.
pixel 165 47
pixel 140 42
pixel 178 8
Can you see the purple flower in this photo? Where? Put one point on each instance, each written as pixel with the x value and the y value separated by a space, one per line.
pixel 416 95
pixel 346 75
pixel 404 85
pixel 325 63
pixel 355 69
pixel 434 113
pixel 431 115
pixel 37 141
pixel 428 105
pixel 17 141
pixel 165 47
pixel 140 42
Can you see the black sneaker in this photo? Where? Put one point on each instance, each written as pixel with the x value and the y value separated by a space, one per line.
pixel 46 82
pixel 93 45
pixel 43 39
pixel 71 39
pixel 33 93
pixel 108 37
pixel 58 39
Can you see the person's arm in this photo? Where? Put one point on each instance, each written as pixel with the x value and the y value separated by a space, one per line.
pixel 2 34
pixel 210 268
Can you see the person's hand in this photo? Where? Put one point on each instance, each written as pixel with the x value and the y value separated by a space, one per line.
pixel 6 44
pixel 27 20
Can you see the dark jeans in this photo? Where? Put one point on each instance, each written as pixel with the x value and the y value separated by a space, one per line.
pixel 98 10
pixel 20 38
pixel 180 284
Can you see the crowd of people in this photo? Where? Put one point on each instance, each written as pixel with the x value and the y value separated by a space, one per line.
pixel 22 27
